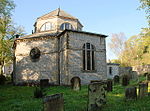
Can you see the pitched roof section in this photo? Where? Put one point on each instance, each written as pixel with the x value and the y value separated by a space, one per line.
pixel 84 32
pixel 57 12
pixel 38 35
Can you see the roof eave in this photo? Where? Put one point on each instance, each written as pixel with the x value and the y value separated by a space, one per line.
pixel 67 30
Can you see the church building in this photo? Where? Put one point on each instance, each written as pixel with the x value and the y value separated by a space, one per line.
pixel 59 50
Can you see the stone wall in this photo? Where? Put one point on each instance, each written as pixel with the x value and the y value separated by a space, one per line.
pixel 74 61
pixel 45 68
pixel 114 70
pixel 56 22
pixel 61 57
pixel 125 70
pixel 141 69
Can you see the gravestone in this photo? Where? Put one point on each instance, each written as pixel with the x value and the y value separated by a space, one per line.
pixel 44 83
pixel 148 76
pixel 96 96
pixel 125 80
pixel 76 83
pixel 131 93
pixel 143 89
pixel 109 85
pixel 54 103
pixel 103 81
pixel 116 79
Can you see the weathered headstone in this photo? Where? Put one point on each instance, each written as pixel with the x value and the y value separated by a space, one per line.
pixel 148 77
pixel 44 83
pixel 116 79
pixel 125 80
pixel 131 93
pixel 134 75
pixel 76 83
pixel 96 96
pixel 143 89
pixel 109 85
pixel 54 103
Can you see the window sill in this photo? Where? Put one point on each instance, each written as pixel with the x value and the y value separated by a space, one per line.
pixel 89 71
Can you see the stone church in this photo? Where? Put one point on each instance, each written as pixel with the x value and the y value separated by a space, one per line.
pixel 59 50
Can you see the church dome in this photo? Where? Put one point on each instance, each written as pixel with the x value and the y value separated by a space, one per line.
pixel 57 21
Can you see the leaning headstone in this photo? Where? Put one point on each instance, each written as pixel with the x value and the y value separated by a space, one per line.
pixel 76 83
pixel 116 79
pixel 96 96
pixel 44 83
pixel 109 85
pixel 131 93
pixel 125 80
pixel 143 89
pixel 54 103
pixel 148 77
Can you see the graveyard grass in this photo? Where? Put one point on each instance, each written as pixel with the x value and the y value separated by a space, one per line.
pixel 20 98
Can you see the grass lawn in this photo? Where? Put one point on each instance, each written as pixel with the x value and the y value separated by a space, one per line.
pixel 20 98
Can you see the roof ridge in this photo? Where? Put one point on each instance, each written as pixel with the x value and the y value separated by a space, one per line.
pixel 58 12
pixel 48 13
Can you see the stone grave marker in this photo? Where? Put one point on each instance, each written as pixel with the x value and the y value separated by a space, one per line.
pixel 143 89
pixel 76 83
pixel 125 80
pixel 109 85
pixel 44 83
pixel 54 102
pixel 131 93
pixel 116 79
pixel 96 96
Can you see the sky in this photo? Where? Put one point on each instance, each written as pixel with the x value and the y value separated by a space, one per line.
pixel 98 16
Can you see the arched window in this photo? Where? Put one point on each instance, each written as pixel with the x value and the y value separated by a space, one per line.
pixel 47 26
pixel 66 26
pixel 88 57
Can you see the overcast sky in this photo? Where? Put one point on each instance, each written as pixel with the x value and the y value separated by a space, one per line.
pixel 99 16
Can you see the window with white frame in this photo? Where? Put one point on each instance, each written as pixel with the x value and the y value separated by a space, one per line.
pixel 66 26
pixel 88 57
pixel 47 26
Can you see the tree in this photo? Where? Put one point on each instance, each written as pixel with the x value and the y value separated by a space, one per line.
pixel 145 5
pixel 7 31
pixel 137 49
pixel 117 43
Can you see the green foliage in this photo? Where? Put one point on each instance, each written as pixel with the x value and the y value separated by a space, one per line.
pixel 145 5
pixel 136 50
pixel 6 6
pixel 8 30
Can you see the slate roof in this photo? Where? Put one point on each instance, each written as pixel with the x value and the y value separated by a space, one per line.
pixel 58 34
pixel 37 35
pixel 58 12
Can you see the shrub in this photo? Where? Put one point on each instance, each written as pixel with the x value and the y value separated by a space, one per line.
pixel 2 79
